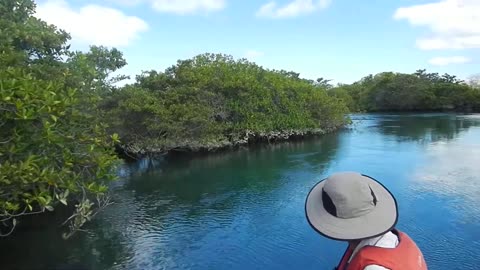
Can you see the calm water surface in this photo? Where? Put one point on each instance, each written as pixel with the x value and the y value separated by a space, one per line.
pixel 245 209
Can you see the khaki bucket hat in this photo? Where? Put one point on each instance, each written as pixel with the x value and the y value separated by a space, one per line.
pixel 351 206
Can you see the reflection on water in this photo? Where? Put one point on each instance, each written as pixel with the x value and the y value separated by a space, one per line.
pixel 422 128
pixel 215 197
pixel 449 180
pixel 454 172
pixel 244 209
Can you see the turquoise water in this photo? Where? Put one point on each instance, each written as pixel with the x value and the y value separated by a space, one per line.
pixel 245 209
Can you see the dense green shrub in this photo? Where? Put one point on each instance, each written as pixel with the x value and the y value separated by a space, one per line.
pixel 212 100
pixel 53 147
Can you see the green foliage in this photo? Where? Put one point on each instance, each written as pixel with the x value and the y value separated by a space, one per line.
pixel 53 148
pixel 92 71
pixel 420 91
pixel 213 100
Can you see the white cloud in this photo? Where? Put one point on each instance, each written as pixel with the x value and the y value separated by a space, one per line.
pixel 454 24
pixel 253 54
pixel 438 43
pixel 92 24
pixel 292 9
pixel 444 61
pixel 187 6
pixel 126 2
pixel 180 7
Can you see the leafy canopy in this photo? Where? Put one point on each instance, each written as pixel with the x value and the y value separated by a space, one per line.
pixel 213 100
pixel 54 149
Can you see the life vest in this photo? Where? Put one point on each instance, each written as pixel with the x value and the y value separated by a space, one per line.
pixel 406 256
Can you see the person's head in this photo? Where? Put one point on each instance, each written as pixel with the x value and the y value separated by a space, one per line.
pixel 350 206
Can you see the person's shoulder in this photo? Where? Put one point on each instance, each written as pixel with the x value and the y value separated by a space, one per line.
pixel 375 267
pixel 388 240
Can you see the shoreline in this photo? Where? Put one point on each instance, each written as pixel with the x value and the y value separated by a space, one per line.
pixel 134 151
pixel 249 138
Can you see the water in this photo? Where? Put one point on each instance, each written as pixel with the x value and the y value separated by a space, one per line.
pixel 245 209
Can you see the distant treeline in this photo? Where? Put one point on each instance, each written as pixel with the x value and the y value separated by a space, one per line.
pixel 420 91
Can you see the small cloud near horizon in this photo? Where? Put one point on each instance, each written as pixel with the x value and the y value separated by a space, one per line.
pixel 179 7
pixel 253 54
pixel 293 9
pixel 445 61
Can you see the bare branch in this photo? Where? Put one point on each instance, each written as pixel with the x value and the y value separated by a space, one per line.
pixel 23 213
pixel 11 230
pixel 7 141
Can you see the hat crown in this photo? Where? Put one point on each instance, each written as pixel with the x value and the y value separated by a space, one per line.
pixel 350 194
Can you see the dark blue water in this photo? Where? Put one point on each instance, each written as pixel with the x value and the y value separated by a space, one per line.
pixel 245 209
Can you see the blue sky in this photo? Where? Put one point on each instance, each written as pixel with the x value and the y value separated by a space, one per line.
pixel 342 40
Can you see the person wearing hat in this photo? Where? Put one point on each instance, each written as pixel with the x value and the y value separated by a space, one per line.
pixel 352 207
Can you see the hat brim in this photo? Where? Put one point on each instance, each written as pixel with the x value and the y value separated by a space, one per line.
pixel 380 220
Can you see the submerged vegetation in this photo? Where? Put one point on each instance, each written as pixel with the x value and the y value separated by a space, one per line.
pixel 62 113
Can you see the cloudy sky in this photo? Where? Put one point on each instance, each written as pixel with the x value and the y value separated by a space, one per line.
pixel 342 40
